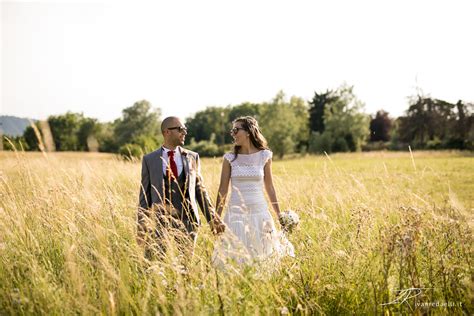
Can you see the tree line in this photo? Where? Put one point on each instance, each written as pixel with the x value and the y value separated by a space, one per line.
pixel 136 131
pixel 332 121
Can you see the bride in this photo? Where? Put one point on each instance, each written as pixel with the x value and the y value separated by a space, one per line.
pixel 251 234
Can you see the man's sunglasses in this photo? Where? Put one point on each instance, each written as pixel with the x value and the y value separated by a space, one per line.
pixel 235 130
pixel 180 129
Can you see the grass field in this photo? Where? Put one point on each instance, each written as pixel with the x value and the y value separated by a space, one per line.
pixel 372 223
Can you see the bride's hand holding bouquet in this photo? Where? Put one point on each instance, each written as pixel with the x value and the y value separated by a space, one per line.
pixel 289 220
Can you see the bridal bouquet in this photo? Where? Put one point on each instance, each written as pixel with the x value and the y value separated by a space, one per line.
pixel 289 220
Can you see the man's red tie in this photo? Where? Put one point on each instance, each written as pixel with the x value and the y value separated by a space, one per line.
pixel 173 166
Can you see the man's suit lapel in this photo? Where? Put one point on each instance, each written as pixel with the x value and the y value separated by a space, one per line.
pixel 159 165
pixel 158 169
pixel 185 156
pixel 184 159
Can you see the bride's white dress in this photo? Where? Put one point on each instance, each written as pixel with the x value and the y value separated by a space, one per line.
pixel 251 234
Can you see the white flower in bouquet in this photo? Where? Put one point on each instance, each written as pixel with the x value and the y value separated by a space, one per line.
pixel 289 220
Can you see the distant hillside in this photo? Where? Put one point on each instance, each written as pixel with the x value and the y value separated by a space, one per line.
pixel 12 125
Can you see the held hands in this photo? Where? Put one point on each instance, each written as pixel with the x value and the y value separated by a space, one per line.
pixel 218 227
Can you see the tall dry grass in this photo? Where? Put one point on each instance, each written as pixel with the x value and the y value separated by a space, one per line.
pixel 371 224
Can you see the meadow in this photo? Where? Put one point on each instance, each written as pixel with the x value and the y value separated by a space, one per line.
pixel 371 224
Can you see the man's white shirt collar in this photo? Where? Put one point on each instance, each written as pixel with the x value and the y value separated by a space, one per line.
pixel 176 150
pixel 177 159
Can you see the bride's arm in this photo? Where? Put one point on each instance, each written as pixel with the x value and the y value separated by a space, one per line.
pixel 223 186
pixel 268 178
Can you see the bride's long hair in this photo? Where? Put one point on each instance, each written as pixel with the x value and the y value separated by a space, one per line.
pixel 250 125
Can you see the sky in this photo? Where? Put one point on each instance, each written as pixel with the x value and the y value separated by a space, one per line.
pixel 99 57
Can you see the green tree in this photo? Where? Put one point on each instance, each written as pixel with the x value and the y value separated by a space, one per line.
pixel 461 127
pixel 64 129
pixel 212 120
pixel 284 124
pixel 206 148
pixel 137 121
pixel 429 122
pixel 300 108
pixel 106 138
pixel 317 108
pixel 19 143
pixel 31 138
pixel 320 143
pixel 380 127
pixel 245 109
pixel 344 119
pixel 89 127
pixel 345 126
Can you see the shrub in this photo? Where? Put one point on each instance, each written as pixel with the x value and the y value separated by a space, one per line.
pixel 18 142
pixel 376 146
pixel 131 151
pixel 340 145
pixel 434 144
pixel 319 143
pixel 206 148
pixel 148 143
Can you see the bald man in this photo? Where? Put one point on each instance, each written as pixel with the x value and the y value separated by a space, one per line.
pixel 171 190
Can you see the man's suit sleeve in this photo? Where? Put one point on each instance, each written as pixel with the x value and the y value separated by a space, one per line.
pixel 145 197
pixel 201 194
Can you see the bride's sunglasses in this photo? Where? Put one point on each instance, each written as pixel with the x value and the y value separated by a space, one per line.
pixel 235 130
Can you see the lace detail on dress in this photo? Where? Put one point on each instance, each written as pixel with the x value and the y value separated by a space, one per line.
pixel 250 165
pixel 266 155
pixel 229 157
